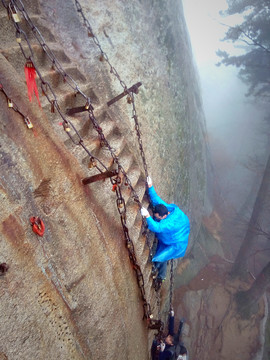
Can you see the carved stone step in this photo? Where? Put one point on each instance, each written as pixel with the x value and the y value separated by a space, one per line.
pixel 132 213
pixel 143 250
pixel 135 215
pixel 149 292
pixel 140 188
pixel 88 132
pixel 126 160
pixel 103 154
pixel 31 6
pixel 43 29
pixel 153 299
pixel 134 174
pixel 146 264
pixel 139 251
pixel 57 82
pixel 117 144
pixel 8 31
pixel 70 100
pixel 14 55
pixel 134 233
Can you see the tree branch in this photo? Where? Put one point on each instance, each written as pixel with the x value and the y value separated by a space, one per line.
pixel 254 42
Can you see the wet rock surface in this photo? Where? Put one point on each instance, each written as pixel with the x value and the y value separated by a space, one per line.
pixel 72 294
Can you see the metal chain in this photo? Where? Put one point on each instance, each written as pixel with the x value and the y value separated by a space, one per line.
pixel 12 105
pixel 54 104
pixel 68 79
pixel 48 91
pixel 171 284
pixel 113 71
pixel 56 64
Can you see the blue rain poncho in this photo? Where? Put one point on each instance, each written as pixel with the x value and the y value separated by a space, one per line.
pixel 172 232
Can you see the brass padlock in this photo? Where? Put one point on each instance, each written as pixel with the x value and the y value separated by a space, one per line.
pixel 66 127
pixel 28 123
pixel 92 164
pixel 18 37
pixel 129 100
pixel 15 16
pixel 120 205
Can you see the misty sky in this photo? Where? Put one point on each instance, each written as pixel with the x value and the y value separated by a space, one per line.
pixel 232 120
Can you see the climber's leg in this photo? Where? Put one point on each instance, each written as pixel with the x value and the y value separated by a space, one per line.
pixel 162 269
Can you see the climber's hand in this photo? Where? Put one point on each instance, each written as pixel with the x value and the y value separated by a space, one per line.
pixel 149 181
pixel 145 212
pixel 162 346
pixel 172 313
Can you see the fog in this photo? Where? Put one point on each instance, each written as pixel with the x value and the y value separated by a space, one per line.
pixel 235 124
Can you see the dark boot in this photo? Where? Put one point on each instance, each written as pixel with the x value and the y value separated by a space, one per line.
pixel 157 283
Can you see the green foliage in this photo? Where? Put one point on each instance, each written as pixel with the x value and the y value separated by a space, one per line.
pixel 254 36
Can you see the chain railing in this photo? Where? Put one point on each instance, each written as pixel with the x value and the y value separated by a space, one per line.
pixel 131 99
pixel 12 8
pixel 12 105
pixel 171 283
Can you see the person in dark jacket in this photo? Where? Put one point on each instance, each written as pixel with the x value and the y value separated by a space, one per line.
pixel 172 229
pixel 165 349
pixel 170 347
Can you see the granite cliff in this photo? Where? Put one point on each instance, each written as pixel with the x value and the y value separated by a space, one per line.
pixel 73 294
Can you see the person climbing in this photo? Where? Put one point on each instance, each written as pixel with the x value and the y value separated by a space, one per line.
pixel 169 348
pixel 172 229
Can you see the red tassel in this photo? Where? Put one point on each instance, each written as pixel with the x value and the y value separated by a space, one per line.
pixel 30 76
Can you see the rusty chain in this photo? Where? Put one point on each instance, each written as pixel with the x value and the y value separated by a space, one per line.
pixel 12 105
pixel 52 99
pixel 47 90
pixel 68 79
pixel 104 56
pixel 171 283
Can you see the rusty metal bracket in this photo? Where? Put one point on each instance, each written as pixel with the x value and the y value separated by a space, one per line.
pixel 134 89
pixel 78 109
pixel 102 176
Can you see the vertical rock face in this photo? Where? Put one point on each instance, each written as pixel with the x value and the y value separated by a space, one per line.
pixel 73 294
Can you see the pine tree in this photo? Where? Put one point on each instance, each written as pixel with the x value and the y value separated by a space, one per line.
pixel 254 36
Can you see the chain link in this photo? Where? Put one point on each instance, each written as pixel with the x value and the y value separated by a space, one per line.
pixel 113 71
pixel 171 283
pixel 47 90
pixel 77 139
pixel 13 105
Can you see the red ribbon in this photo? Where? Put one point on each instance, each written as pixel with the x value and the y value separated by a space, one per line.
pixel 30 76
